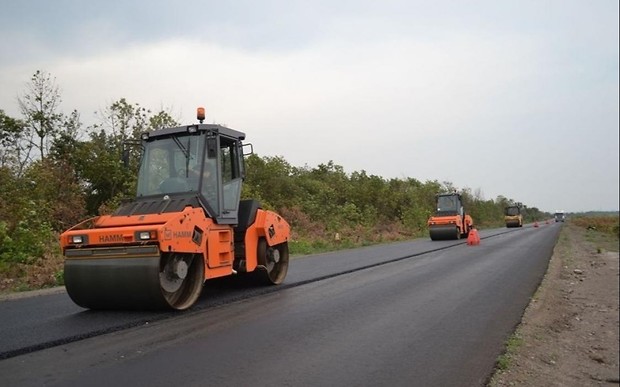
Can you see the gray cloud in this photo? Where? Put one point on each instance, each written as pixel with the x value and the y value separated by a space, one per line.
pixel 512 98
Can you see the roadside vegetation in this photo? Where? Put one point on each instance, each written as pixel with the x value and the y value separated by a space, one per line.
pixel 54 172
pixel 603 230
pixel 513 344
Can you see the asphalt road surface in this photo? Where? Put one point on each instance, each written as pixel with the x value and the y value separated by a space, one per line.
pixel 416 313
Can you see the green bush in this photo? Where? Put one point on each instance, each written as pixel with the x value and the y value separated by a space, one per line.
pixel 26 243
pixel 59 277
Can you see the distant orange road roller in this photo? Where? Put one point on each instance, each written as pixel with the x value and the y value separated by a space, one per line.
pixel 450 220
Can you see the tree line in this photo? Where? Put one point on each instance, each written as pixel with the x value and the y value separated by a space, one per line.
pixel 55 172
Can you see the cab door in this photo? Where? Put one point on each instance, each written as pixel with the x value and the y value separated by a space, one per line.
pixel 230 165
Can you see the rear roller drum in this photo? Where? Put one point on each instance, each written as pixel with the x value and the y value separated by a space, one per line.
pixel 181 279
pixel 273 261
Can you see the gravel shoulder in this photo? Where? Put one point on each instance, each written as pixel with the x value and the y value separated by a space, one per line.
pixel 569 334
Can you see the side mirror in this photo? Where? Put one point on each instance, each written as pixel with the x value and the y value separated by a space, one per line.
pixel 247 149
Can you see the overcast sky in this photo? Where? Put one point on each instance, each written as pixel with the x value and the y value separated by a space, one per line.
pixel 514 98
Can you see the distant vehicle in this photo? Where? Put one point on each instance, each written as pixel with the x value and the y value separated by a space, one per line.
pixel 559 216
pixel 513 217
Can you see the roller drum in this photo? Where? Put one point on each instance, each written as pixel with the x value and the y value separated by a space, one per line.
pixel 444 232
pixel 137 281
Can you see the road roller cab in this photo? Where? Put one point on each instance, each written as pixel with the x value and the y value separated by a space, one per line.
pixel 450 220
pixel 513 216
pixel 185 225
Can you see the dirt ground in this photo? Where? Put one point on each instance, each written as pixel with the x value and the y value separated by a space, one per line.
pixel 569 332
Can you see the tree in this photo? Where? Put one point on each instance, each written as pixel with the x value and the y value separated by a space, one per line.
pixel 124 120
pixel 163 119
pixel 98 161
pixel 56 196
pixel 270 180
pixel 39 106
pixel 64 149
pixel 10 138
pixel 12 200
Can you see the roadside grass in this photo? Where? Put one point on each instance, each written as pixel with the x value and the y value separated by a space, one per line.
pixel 44 272
pixel 317 246
pixel 602 231
pixel 514 342
pixel 602 241
pixel 307 243
pixel 565 247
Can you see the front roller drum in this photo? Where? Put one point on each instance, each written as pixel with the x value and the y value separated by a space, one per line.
pixel 139 282
pixel 514 223
pixel 444 232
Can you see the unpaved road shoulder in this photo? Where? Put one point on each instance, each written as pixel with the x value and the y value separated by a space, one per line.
pixel 569 332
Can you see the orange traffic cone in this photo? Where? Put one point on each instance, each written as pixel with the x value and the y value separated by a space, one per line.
pixel 473 239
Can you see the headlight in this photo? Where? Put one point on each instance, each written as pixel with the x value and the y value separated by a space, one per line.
pixel 78 239
pixel 146 235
